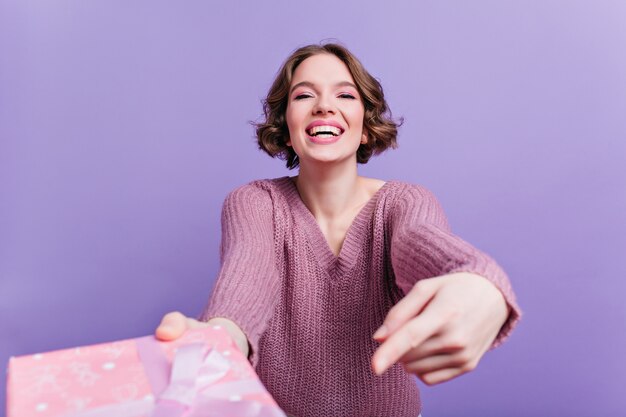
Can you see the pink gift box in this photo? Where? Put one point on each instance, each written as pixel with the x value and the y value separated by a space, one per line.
pixel 200 374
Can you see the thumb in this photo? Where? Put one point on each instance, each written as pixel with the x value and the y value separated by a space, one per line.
pixel 408 307
pixel 172 326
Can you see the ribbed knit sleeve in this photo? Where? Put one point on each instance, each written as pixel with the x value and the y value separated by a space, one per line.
pixel 422 246
pixel 247 286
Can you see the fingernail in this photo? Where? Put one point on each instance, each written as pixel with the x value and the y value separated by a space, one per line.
pixel 381 332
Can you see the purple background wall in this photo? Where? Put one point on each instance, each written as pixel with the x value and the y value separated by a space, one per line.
pixel 124 124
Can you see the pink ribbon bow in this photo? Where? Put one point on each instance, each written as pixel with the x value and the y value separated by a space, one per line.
pixel 194 389
pixel 190 387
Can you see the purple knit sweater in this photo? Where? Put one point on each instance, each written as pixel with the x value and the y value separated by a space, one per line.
pixel 309 315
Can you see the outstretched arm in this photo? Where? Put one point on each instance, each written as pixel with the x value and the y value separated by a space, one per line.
pixel 458 301
pixel 248 284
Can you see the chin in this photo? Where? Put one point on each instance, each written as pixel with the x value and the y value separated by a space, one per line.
pixel 330 159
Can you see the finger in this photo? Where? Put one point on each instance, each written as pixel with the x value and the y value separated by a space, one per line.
pixel 433 363
pixel 172 326
pixel 407 308
pixel 443 375
pixel 434 345
pixel 407 337
pixel 447 340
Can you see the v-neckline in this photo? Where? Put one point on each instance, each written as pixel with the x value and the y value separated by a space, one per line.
pixel 351 242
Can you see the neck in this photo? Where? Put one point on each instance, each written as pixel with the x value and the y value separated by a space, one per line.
pixel 331 191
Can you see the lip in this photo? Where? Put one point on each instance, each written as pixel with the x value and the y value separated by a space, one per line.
pixel 324 141
pixel 322 122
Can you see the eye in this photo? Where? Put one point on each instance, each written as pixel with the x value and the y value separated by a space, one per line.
pixel 302 96
pixel 347 95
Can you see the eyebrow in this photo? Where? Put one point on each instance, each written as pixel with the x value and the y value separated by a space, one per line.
pixel 311 85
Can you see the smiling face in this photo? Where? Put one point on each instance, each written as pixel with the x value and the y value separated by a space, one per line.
pixel 324 111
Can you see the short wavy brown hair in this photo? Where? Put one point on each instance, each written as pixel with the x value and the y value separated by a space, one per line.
pixel 272 134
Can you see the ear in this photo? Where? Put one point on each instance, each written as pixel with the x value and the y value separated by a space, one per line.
pixel 364 138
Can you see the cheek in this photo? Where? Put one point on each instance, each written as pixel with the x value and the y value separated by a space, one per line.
pixel 294 117
pixel 289 121
pixel 291 117
pixel 357 114
pixel 358 119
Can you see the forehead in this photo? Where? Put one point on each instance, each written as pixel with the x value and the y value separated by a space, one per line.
pixel 322 69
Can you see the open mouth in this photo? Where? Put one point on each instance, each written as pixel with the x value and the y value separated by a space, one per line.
pixel 324 132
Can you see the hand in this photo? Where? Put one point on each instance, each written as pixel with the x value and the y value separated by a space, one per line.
pixel 174 324
pixel 442 327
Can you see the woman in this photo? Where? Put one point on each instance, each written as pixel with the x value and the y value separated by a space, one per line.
pixel 337 286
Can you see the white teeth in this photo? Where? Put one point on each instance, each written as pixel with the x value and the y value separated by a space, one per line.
pixel 331 129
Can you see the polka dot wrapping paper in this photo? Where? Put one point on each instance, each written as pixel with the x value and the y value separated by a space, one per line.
pixel 200 374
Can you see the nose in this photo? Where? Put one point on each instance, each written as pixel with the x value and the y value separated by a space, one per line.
pixel 323 105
